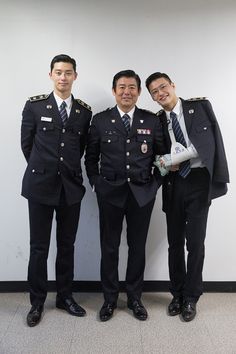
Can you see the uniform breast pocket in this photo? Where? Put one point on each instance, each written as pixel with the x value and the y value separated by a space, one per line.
pixel 204 133
pixel 204 128
pixel 108 141
pixel 77 131
pixel 46 127
pixel 76 136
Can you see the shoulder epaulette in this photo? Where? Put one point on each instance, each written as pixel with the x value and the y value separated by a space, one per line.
pixel 83 104
pixel 197 99
pixel 38 98
pixel 159 112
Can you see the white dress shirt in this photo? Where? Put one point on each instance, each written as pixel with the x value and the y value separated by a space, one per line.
pixel 68 101
pixel 130 113
pixel 178 110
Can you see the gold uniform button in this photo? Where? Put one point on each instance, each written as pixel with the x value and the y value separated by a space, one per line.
pixel 33 171
pixel 127 154
pixel 44 128
pixel 128 141
pixel 62 144
pixel 128 179
pixel 61 158
pixel 63 130
pixel 128 167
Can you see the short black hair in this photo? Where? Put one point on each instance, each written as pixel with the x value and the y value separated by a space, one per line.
pixel 126 73
pixel 155 76
pixel 65 59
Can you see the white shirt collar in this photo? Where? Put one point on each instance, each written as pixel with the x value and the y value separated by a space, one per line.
pixel 130 113
pixel 178 109
pixel 59 100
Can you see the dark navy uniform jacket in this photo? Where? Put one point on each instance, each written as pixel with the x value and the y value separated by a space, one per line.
pixel 204 132
pixel 117 162
pixel 53 151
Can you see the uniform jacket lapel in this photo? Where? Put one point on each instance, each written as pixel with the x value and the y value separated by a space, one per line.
pixel 116 120
pixel 136 121
pixel 74 113
pixel 164 123
pixel 52 107
pixel 189 114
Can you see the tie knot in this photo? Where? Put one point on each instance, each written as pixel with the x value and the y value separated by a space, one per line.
pixel 173 115
pixel 126 116
pixel 63 104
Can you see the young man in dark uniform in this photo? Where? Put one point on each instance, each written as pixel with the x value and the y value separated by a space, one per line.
pixel 119 159
pixel 53 137
pixel 190 128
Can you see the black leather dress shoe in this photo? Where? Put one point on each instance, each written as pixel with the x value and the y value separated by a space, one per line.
pixel 69 305
pixel 189 311
pixel 138 309
pixel 34 316
pixel 106 311
pixel 175 307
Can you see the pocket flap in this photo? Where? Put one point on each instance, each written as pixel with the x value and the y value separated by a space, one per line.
pixel 144 138
pixel 109 138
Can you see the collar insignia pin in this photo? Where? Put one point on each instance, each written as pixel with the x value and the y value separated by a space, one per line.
pixel 49 106
pixel 191 111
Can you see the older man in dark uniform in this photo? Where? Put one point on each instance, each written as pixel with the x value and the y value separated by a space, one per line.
pixel 119 159
pixel 53 136
pixel 191 131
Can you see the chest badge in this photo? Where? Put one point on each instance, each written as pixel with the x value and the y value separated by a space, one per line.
pixel 144 147
pixel 113 120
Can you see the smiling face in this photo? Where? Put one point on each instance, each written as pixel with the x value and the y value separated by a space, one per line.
pixel 163 92
pixel 126 93
pixel 63 76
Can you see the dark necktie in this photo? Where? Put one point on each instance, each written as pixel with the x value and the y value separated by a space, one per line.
pixel 184 168
pixel 63 112
pixel 126 121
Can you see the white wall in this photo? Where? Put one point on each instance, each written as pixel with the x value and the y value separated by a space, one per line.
pixel 193 41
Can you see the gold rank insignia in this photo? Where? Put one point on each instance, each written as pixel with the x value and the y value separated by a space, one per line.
pixel 83 104
pixel 38 98
pixel 197 99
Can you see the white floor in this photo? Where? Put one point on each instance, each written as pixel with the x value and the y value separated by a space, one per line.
pixel 213 331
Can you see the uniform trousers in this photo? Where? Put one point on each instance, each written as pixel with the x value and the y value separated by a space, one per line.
pixel 111 222
pixel 186 227
pixel 41 216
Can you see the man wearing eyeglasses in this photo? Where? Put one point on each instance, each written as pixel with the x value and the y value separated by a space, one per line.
pixel 195 173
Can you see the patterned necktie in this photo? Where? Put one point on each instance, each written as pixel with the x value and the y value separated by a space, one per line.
pixel 63 112
pixel 184 168
pixel 126 121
